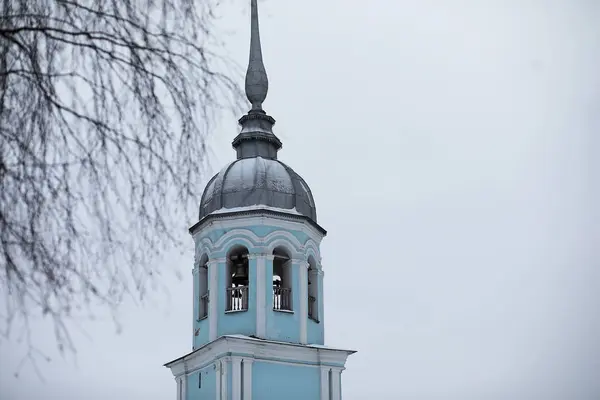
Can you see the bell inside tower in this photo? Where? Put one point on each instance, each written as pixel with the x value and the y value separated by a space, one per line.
pixel 237 280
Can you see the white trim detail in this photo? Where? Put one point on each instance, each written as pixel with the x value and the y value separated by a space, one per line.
pixel 244 234
pixel 218 376
pixel 236 378
pixel 213 302
pixel 303 306
pixel 288 363
pixel 195 303
pixel 224 382
pixel 247 389
pixel 336 383
pixel 240 227
pixel 261 301
pixel 181 387
pixel 260 349
pixel 244 241
pixel 235 221
pixel 204 246
pixel 325 383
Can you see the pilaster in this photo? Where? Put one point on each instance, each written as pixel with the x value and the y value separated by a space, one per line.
pixel 335 383
pixel 224 373
pixel 213 300
pixel 219 380
pixel 236 378
pixel 321 302
pixel 182 387
pixel 261 292
pixel 247 374
pixel 325 383
pixel 222 379
pixel 195 301
pixel 303 306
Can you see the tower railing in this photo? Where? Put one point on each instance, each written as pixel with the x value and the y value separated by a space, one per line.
pixel 237 298
pixel 312 308
pixel 282 298
pixel 203 312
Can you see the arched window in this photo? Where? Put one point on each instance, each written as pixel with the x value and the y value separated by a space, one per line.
pixel 237 279
pixel 313 290
pixel 203 288
pixel 282 280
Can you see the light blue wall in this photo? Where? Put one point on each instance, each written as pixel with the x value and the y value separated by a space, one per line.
pixel 321 325
pixel 209 384
pixel 315 332
pixel 272 381
pixel 202 329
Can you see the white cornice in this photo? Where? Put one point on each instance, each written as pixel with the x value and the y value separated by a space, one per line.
pixel 241 221
pixel 258 350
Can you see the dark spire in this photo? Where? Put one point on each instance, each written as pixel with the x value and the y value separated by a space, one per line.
pixel 257 83
pixel 256 137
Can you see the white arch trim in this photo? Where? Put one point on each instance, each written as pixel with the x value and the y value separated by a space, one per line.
pixel 204 246
pixel 233 241
pixel 309 253
pixel 250 239
pixel 289 236
pixel 311 248
pixel 282 242
pixel 245 234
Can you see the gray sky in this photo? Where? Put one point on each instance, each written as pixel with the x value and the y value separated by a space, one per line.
pixel 450 147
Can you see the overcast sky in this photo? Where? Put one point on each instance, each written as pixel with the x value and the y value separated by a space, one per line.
pixel 450 147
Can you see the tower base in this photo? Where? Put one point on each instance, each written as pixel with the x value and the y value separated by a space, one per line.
pixel 237 367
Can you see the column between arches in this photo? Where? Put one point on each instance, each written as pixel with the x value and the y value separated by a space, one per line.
pixel 303 295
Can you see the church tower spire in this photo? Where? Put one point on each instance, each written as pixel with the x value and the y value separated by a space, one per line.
pixel 258 314
pixel 257 82
pixel 257 137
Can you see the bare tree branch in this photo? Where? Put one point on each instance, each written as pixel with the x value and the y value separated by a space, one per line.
pixel 105 106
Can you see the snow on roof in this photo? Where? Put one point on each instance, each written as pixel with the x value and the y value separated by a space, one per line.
pixel 257 172
pixel 315 346
pixel 256 207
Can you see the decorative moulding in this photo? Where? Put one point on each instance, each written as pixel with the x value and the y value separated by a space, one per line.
pixel 261 245
pixel 258 350
pixel 259 217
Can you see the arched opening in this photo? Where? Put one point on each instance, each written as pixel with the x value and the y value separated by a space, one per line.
pixel 237 279
pixel 203 288
pixel 282 280
pixel 313 290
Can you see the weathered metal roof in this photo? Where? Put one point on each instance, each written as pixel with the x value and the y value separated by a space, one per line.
pixel 258 181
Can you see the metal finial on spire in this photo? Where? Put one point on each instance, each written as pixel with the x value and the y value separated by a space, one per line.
pixel 257 83
pixel 256 138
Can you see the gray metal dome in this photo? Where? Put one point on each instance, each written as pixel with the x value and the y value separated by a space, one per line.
pixel 258 181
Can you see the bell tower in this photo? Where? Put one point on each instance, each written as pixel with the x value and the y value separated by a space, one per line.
pixel 258 318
